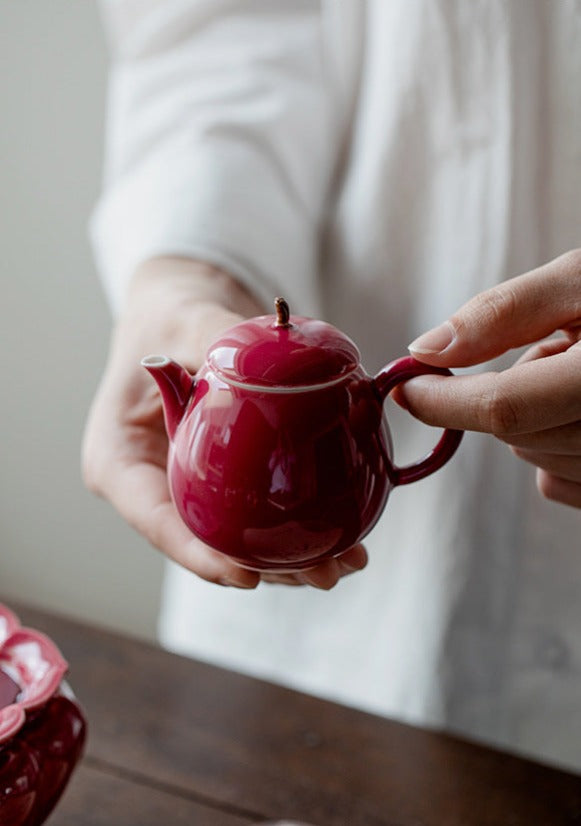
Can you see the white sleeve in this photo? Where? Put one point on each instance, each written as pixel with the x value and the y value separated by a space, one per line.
pixel 219 141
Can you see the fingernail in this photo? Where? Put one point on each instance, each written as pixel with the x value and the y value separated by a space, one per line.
pixel 351 567
pixel 235 583
pixel 346 568
pixel 434 341
pixel 305 579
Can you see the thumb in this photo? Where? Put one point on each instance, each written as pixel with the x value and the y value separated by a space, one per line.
pixel 519 311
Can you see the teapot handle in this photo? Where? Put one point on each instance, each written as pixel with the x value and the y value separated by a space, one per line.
pixel 384 382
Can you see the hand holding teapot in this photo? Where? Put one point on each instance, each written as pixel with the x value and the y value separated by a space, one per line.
pixel 178 306
pixel 280 453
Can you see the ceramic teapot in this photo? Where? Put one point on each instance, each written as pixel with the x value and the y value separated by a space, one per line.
pixel 280 452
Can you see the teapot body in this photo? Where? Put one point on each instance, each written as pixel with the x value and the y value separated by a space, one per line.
pixel 280 478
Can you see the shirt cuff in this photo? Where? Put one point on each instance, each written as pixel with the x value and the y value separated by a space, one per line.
pixel 222 204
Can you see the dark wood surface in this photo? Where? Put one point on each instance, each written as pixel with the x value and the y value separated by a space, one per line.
pixel 176 741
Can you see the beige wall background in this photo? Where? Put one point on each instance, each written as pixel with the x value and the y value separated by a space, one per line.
pixel 60 548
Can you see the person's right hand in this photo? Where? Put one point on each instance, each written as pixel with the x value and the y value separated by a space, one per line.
pixel 176 307
pixel 534 406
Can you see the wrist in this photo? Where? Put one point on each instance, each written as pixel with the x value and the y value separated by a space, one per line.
pixel 178 306
pixel 169 281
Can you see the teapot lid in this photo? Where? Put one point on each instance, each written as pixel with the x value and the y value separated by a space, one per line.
pixel 283 351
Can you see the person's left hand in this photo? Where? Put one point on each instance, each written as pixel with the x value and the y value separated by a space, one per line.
pixel 176 306
pixel 535 405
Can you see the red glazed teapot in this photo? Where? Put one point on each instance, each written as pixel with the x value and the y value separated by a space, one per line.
pixel 280 453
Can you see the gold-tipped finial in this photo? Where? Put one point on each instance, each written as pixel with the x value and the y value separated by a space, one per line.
pixel 282 313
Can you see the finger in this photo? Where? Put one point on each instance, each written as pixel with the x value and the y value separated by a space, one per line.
pixel 559 490
pixel 324 576
pixel 515 313
pixel 526 398
pixel 565 440
pixel 328 573
pixel 545 349
pixel 352 560
pixel 141 495
pixel 281 579
pixel 565 467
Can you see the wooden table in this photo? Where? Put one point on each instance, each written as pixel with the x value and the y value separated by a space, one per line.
pixel 173 741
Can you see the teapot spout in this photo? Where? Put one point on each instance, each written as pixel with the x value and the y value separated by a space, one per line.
pixel 176 386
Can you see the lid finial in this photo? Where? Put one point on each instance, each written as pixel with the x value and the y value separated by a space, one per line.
pixel 282 313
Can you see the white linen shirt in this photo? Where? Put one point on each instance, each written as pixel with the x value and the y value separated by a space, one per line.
pixel 377 163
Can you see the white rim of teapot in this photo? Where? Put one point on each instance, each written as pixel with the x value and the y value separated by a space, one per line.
pixel 279 388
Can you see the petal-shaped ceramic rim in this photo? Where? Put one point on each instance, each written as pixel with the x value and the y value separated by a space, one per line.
pixel 36 690
pixel 11 720
pixel 9 624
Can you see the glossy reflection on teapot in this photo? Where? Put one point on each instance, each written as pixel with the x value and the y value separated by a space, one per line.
pixel 280 453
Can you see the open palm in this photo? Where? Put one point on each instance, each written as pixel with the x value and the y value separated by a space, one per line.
pixel 125 446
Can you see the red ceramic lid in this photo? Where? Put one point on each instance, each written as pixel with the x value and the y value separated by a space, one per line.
pixel 283 351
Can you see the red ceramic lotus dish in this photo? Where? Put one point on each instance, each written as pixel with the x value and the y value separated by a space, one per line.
pixel 42 728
